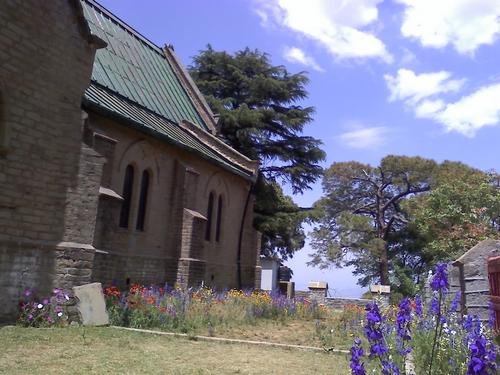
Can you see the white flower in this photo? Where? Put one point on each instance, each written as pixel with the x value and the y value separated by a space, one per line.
pixel 40 306
pixel 66 296
pixel 59 314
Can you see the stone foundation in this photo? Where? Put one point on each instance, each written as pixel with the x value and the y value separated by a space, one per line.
pixel 42 267
pixel 122 270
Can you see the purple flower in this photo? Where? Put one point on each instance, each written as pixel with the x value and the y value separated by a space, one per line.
pixel 482 352
pixel 389 368
pixel 435 306
pixel 403 320
pixel 357 367
pixel 374 331
pixel 439 281
pixel 480 357
pixel 418 306
pixel 491 317
pixel 472 325
pixel 455 304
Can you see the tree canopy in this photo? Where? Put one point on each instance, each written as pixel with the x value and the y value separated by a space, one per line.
pixel 394 221
pixel 462 209
pixel 261 116
pixel 361 211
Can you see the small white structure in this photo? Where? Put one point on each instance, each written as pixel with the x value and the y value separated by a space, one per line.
pixel 380 289
pixel 269 275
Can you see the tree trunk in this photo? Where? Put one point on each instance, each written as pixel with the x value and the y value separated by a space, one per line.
pixel 384 267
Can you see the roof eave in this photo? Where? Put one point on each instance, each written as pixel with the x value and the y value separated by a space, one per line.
pixel 88 104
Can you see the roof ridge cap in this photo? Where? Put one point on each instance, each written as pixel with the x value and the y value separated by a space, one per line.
pixel 192 89
pixel 220 147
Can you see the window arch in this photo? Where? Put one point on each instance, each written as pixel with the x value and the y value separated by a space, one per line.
pixel 210 209
pixel 143 201
pixel 128 185
pixel 219 219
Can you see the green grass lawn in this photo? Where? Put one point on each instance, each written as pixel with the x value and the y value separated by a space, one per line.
pixel 84 350
pixel 319 333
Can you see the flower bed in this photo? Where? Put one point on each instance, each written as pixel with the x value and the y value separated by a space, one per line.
pixel 189 310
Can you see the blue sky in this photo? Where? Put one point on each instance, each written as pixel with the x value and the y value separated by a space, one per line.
pixel 412 77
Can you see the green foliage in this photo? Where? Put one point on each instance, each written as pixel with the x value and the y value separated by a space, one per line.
pixel 408 212
pixel 279 220
pixel 462 209
pixel 260 117
pixel 361 213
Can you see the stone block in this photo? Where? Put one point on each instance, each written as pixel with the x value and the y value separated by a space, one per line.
pixel 91 304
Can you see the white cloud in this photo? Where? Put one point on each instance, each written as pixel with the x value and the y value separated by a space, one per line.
pixel 472 112
pixel 365 138
pixel 465 24
pixel 428 108
pixel 296 55
pixel 338 26
pixel 426 93
pixel 412 88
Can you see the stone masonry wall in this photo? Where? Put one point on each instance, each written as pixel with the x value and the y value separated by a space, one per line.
pixel 469 274
pixel 45 66
pixel 180 181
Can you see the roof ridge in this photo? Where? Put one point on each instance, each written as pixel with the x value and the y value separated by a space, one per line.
pixel 193 91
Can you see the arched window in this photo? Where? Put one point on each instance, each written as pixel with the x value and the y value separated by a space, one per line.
pixel 219 219
pixel 143 201
pixel 128 184
pixel 210 209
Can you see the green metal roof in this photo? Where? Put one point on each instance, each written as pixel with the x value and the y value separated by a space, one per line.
pixel 134 83
pixel 137 69
pixel 111 104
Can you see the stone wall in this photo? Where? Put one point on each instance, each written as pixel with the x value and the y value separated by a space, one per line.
pixel 46 57
pixel 122 270
pixel 41 267
pixel 469 274
pixel 60 199
pixel 176 215
pixel 333 302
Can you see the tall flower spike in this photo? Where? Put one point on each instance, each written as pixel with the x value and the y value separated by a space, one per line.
pixel 439 280
pixel 373 331
pixel 455 304
pixel 403 319
pixel 418 306
pixel 357 367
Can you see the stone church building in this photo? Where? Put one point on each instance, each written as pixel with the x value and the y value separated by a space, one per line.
pixel 110 168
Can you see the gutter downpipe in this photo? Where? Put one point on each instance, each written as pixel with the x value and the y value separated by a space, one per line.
pixel 240 240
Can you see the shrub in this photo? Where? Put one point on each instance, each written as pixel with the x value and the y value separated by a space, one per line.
pixel 43 312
